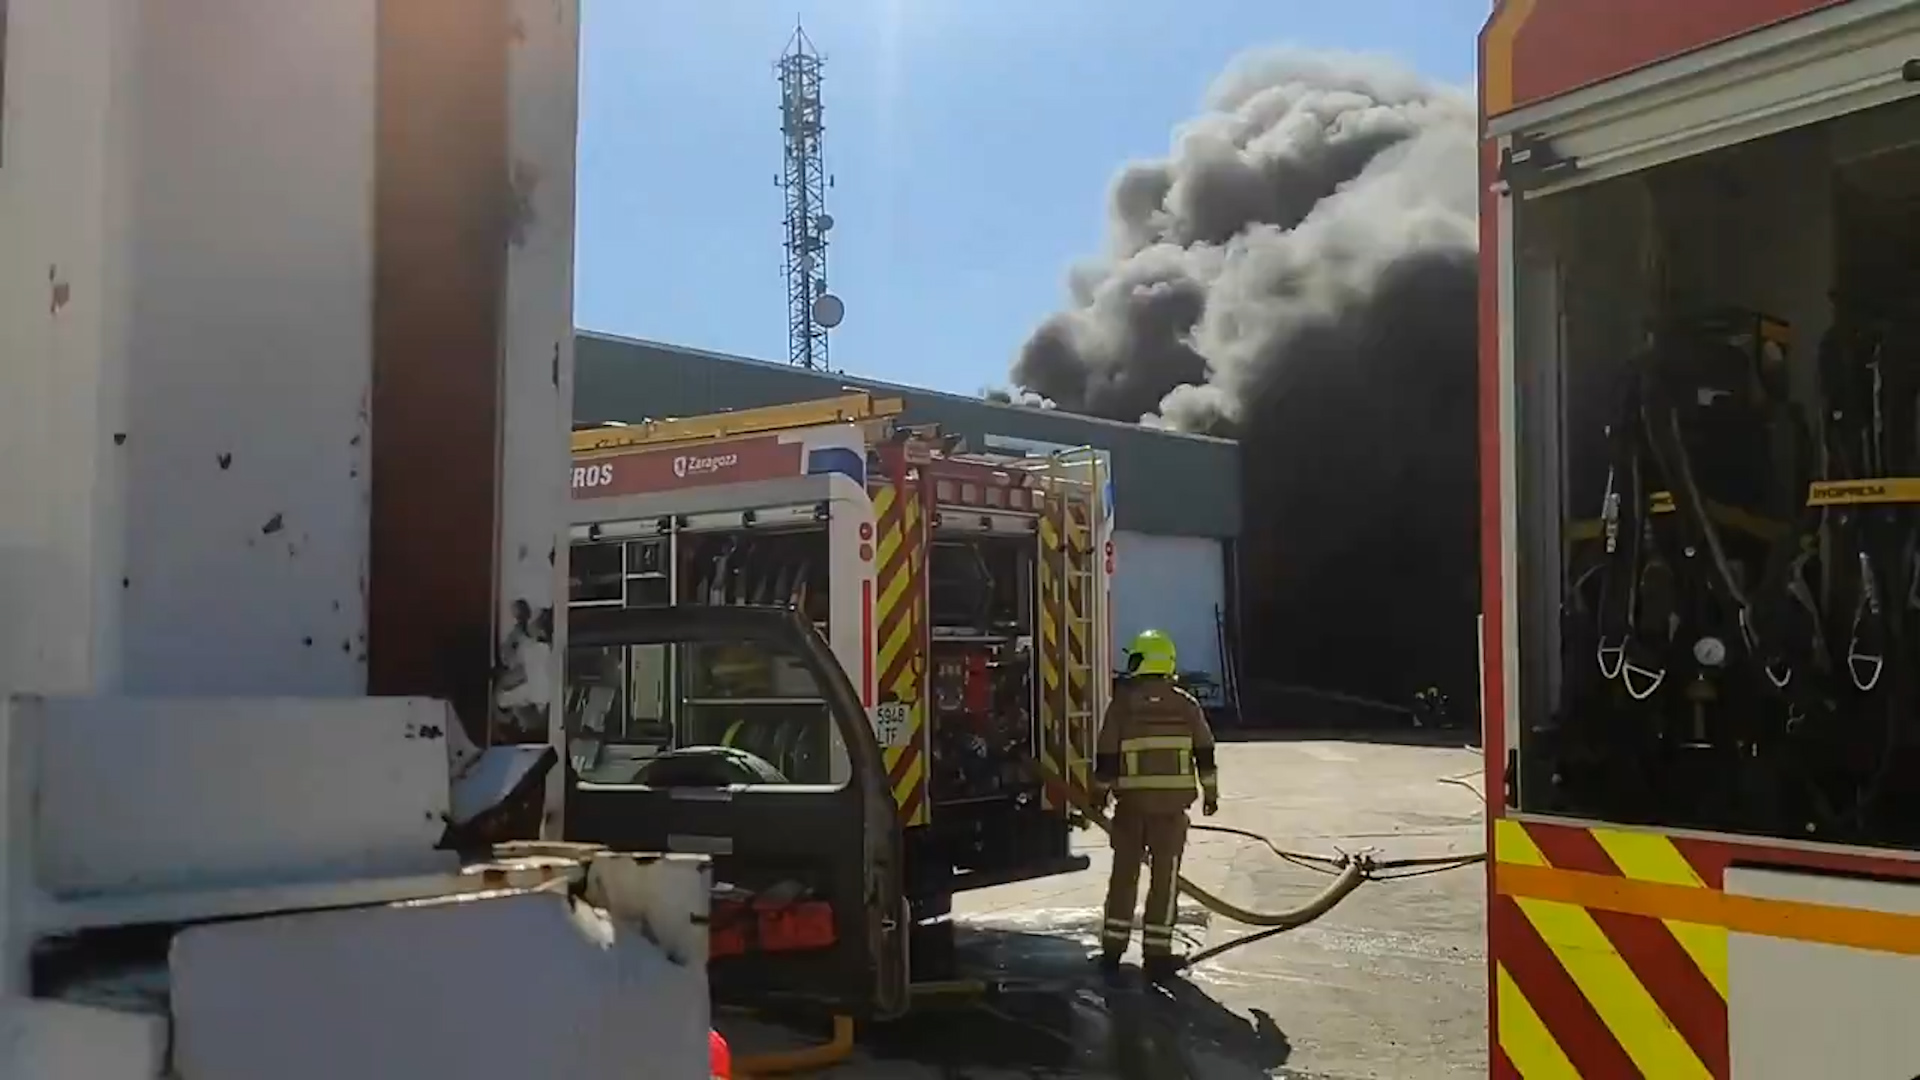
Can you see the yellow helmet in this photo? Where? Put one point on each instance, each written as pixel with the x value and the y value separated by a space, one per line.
pixel 1151 653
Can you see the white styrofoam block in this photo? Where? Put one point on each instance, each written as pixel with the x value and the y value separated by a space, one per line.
pixel 499 988
pixel 667 897
pixel 55 1040
pixel 145 794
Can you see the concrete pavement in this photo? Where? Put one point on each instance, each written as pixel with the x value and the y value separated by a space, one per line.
pixel 1390 985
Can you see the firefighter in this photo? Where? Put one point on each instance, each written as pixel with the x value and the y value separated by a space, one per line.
pixel 1154 744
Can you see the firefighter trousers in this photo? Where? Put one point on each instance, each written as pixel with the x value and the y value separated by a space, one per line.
pixel 1161 836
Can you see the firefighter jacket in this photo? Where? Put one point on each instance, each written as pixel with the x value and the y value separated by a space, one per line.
pixel 1154 746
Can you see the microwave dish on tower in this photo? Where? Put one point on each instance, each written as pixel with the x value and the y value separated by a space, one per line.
pixel 828 310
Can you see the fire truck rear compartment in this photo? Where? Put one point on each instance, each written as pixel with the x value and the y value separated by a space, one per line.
pixel 739 716
pixel 1728 336
pixel 988 820
pixel 982 689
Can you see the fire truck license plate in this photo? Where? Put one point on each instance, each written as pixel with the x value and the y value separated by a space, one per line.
pixel 890 723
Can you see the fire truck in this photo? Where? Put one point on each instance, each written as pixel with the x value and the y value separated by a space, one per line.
pixel 1700 415
pixel 964 596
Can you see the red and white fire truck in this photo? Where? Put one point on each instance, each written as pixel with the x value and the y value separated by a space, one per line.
pixel 965 596
pixel 1700 395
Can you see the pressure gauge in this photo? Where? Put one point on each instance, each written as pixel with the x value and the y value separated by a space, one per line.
pixel 1710 652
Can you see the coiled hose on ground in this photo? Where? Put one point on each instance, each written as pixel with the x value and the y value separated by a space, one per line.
pixel 1349 872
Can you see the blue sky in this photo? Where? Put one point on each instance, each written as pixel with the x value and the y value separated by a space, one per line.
pixel 971 143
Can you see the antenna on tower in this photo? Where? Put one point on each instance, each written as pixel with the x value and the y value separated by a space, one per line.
pixel 811 309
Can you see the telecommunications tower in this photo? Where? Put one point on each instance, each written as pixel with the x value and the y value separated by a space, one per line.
pixel 811 309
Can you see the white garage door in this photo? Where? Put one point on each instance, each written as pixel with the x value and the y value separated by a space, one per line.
pixel 1174 584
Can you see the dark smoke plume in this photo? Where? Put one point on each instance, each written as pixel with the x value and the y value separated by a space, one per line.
pixel 1299 273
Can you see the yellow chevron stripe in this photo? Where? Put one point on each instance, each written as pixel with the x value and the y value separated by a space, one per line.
pixel 895 644
pixel 890 540
pixel 895 591
pixel 1647 856
pixel 911 684
pixel 1602 976
pixel 1614 991
pixel 1511 844
pixel 1525 1038
pixel 904 790
pixel 892 587
pixel 1599 972
pixel 1650 856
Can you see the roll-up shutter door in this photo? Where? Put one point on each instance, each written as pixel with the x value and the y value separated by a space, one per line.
pixel 1818 67
pixel 1174 584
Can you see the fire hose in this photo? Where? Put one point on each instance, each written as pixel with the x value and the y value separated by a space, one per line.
pixel 1348 870
pixel 805 1059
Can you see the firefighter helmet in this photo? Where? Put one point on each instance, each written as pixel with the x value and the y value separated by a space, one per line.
pixel 1151 653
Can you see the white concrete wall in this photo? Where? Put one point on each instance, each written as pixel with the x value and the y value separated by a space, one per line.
pixel 209 794
pixel 185 301
pixel 1173 584
pixel 247 353
pixel 62 226
pixel 543 75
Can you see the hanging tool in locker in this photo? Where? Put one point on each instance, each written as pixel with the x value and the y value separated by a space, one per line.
pixel 1710 626
pixel 1870 371
pixel 733 569
pixel 1692 480
pixel 1706 635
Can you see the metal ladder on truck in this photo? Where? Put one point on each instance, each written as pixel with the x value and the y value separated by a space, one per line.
pixel 1079 515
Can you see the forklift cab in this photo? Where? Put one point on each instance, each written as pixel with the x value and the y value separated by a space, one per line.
pixel 733 732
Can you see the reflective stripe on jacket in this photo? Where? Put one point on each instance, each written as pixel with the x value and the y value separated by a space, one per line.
pixel 1156 761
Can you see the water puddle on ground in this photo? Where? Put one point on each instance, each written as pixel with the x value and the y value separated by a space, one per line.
pixel 1046 1012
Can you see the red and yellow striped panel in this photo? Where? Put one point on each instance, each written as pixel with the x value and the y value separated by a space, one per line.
pixel 1053 720
pixel 899 649
pixel 1589 994
pixel 1610 945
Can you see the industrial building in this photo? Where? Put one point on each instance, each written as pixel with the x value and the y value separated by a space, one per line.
pixel 1176 496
